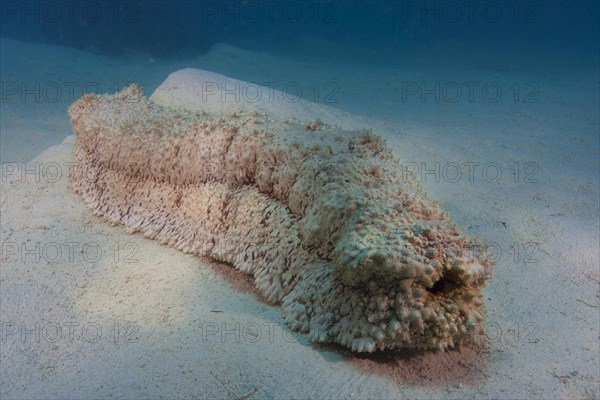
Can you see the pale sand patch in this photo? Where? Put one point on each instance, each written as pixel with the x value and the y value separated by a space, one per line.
pixel 199 90
pixel 543 315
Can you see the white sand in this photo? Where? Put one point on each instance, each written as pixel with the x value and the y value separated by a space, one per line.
pixel 165 302
pixel 199 90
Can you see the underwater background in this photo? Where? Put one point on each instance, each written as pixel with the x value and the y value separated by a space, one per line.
pixel 355 31
pixel 493 105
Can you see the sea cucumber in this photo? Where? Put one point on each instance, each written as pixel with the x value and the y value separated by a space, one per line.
pixel 353 252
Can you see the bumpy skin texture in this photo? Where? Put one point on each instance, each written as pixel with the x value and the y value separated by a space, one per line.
pixel 355 253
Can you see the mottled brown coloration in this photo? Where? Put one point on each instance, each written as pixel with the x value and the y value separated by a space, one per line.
pixel 354 253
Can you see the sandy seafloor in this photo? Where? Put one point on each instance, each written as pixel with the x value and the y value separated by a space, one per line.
pixel 150 322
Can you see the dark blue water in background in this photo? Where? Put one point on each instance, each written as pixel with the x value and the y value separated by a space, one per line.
pixel 332 31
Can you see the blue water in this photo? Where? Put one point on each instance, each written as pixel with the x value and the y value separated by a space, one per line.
pixel 352 31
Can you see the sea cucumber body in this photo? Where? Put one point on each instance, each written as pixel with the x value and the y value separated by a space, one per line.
pixel 355 253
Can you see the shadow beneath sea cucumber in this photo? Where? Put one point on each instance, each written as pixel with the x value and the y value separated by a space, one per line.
pixel 463 366
pixel 240 281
